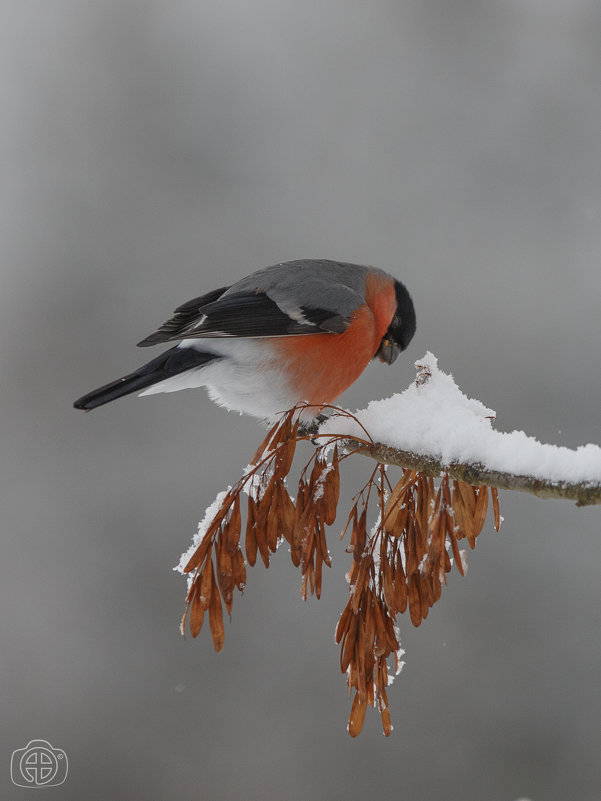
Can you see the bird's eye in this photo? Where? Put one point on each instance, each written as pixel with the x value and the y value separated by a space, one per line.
pixel 396 321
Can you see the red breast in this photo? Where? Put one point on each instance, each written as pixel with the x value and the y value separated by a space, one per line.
pixel 320 367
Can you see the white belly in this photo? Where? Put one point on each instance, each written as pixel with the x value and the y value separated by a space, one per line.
pixel 244 380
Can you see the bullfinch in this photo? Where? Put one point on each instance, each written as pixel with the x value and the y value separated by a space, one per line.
pixel 297 331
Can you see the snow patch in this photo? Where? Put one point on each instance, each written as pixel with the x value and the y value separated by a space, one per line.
pixel 433 416
pixel 203 527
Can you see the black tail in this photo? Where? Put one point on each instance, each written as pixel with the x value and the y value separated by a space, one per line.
pixel 168 364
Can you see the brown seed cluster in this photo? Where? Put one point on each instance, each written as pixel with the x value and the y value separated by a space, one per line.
pixel 400 563
pixel 218 565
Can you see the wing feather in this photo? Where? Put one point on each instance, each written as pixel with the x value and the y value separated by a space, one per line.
pixel 186 315
pixel 243 314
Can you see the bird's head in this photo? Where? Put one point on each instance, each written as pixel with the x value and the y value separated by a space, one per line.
pixel 401 329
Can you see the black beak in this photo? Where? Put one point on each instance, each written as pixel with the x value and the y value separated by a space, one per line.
pixel 388 351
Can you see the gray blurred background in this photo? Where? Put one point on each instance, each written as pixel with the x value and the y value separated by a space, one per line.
pixel 152 151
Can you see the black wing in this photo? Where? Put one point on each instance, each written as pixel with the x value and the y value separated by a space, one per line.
pixel 184 316
pixel 243 314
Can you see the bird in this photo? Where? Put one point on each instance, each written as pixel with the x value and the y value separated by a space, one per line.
pixel 296 331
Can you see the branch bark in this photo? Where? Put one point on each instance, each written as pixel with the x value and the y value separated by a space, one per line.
pixel 584 493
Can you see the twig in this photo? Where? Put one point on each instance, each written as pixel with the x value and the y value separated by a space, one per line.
pixel 584 493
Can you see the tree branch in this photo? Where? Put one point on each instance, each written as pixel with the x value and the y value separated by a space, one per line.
pixel 584 493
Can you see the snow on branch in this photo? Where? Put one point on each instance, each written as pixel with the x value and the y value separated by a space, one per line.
pixel 434 428
pixel 404 532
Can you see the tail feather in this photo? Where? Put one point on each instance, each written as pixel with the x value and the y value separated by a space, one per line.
pixel 168 364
